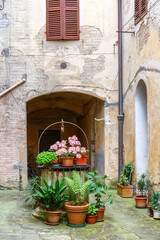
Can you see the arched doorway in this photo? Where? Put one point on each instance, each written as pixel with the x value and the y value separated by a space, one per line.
pixel 73 107
pixel 141 129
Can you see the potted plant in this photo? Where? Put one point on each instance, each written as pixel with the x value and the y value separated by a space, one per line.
pixel 124 188
pixel 99 187
pixel 143 186
pixel 77 210
pixel 47 158
pixel 154 207
pixel 92 214
pixel 51 198
pixel 82 156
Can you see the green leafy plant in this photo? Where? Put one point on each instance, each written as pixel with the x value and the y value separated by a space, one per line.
pixel 99 187
pixel 32 185
pixel 156 201
pixel 78 188
pixel 46 157
pixel 51 197
pixel 92 210
pixel 125 178
pixel 144 184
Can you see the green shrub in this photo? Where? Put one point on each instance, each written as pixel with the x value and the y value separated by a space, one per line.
pixel 46 157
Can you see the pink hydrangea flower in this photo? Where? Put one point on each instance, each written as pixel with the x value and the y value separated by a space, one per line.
pixel 78 143
pixel 78 155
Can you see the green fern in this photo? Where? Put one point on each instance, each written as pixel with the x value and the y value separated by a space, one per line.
pixel 79 189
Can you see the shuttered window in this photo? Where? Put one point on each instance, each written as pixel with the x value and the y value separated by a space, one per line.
pixel 62 19
pixel 140 9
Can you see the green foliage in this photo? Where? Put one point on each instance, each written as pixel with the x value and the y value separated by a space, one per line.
pixel 46 157
pixel 99 187
pixel 51 198
pixel 156 201
pixel 32 185
pixel 144 184
pixel 125 178
pixel 92 210
pixel 78 188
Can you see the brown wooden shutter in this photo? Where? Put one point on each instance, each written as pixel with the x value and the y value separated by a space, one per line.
pixel 71 19
pixel 54 19
pixel 140 9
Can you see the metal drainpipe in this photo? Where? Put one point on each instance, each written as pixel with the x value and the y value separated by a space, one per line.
pixel 120 91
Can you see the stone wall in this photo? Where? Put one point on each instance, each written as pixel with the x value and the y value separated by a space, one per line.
pixel 91 68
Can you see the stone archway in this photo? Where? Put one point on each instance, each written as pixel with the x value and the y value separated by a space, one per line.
pixel 141 129
pixel 76 107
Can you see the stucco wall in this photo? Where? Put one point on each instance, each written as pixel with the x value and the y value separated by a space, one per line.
pixel 141 61
pixel 91 67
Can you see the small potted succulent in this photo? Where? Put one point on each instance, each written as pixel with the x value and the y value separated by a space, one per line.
pixel 47 158
pixel 52 198
pixel 143 186
pixel 92 214
pixel 77 210
pixel 124 188
pixel 99 188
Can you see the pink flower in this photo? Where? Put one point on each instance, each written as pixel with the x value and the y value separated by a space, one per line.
pixel 54 147
pixel 78 149
pixel 78 143
pixel 83 150
pixel 58 143
pixel 78 156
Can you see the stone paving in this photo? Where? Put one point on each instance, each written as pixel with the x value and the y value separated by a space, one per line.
pixel 122 221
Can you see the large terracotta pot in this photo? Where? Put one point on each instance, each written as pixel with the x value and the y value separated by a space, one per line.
pixel 82 161
pixel 100 214
pixel 140 201
pixel 67 161
pixel 125 191
pixel 53 217
pixel 76 214
pixel 91 219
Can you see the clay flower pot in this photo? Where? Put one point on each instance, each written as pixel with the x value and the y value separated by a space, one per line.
pixel 100 214
pixel 91 219
pixel 76 214
pixel 67 161
pixel 125 191
pixel 53 217
pixel 140 201
pixel 47 164
pixel 82 161
pixel 55 161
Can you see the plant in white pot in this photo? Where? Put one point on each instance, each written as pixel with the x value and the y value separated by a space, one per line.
pixel 156 205
pixel 52 198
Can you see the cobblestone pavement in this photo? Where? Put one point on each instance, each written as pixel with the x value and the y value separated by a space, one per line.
pixel 122 221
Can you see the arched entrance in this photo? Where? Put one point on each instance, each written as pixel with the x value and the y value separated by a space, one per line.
pixel 141 129
pixel 73 107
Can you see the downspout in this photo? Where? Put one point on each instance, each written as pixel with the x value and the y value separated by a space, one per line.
pixel 120 92
pixel 13 87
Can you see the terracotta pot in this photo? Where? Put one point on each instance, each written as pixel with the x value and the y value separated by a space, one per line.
pixel 91 219
pixel 148 207
pixel 53 217
pixel 67 161
pixel 140 201
pixel 81 161
pixel 100 214
pixel 125 191
pixel 56 161
pixel 76 214
pixel 47 164
pixel 60 159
